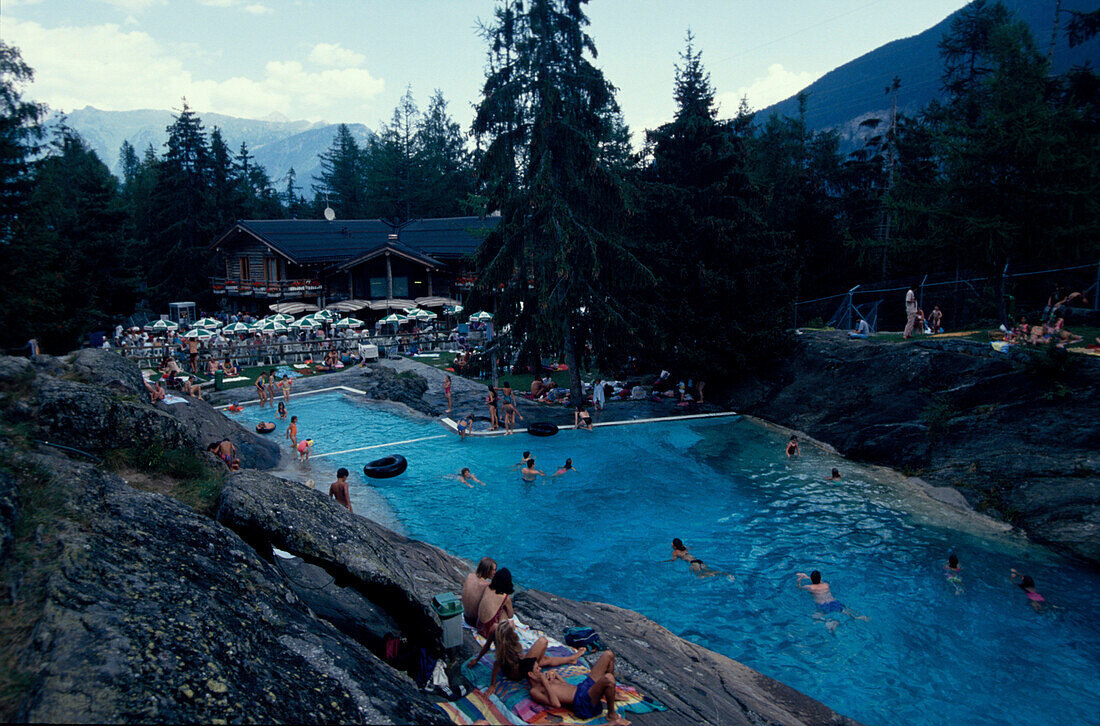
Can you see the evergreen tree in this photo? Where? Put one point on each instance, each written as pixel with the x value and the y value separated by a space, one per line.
pixel 292 200
pixel 442 162
pixel 391 166
pixel 20 131
pixel 226 196
pixel 341 183
pixel 557 258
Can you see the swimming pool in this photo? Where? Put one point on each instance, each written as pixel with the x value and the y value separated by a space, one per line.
pixel 724 486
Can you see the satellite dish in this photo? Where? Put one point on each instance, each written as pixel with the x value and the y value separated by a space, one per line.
pixel 329 214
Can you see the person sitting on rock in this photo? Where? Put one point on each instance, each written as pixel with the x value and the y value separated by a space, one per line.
pixel 583 699
pixel 229 369
pixel 156 391
pixel 474 587
pixel 510 654
pixel 495 607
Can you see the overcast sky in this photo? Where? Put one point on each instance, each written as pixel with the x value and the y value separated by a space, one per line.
pixel 350 60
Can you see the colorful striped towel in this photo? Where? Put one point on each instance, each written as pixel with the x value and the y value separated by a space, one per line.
pixel 477 705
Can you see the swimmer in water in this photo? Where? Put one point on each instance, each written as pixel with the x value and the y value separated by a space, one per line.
pixel 523 460
pixel 467 476
pixel 835 476
pixel 282 410
pixel 826 603
pixel 565 468
pixel 953 572
pixel 792 447
pixel 697 566
pixel 1027 584
pixel 529 472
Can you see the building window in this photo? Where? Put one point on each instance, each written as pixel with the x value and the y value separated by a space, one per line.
pixel 242 263
pixel 378 287
pixel 400 287
pixel 272 269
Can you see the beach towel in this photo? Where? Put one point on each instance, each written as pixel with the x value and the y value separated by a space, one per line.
pixel 234 379
pixel 511 702
pixel 170 399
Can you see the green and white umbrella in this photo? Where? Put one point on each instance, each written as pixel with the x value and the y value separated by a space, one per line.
pixel 423 314
pixel 270 326
pixel 306 323
pixel 200 333
pixel 237 328
pixel 393 318
pixel 349 322
pixel 481 317
pixel 452 310
pixel 211 323
pixel 326 316
pixel 282 318
pixel 162 326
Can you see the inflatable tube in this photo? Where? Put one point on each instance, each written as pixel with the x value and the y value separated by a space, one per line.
pixel 234 408
pixel 265 427
pixel 542 429
pixel 386 467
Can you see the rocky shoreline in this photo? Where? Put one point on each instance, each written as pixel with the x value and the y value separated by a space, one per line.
pixel 126 604
pixel 1018 437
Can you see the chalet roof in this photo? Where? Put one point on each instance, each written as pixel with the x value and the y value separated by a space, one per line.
pixel 391 247
pixel 308 241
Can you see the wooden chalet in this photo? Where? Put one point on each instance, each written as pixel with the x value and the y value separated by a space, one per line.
pixel 372 260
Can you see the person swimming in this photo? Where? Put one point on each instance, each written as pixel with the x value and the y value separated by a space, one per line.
pixel 953 572
pixel 466 476
pixel 827 605
pixel 565 468
pixel 529 472
pixel 695 565
pixel 835 476
pixel 1027 584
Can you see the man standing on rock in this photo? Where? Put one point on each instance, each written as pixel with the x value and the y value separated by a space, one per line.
pixel 338 490
pixel 910 314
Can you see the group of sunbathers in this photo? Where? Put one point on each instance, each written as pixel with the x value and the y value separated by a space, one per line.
pixel 487 607
pixel 1051 332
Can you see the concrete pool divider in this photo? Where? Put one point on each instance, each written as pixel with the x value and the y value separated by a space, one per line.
pixel 453 426
pixel 348 389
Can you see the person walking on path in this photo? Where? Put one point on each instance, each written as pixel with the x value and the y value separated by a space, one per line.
pixel 910 314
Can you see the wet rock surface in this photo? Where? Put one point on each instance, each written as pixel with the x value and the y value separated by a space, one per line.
pixel 157 614
pixel 1018 436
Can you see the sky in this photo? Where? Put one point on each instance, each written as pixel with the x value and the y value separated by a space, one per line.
pixel 351 60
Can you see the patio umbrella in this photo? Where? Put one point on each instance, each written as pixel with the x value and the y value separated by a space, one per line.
pixel 481 317
pixel 270 326
pixel 425 315
pixel 307 323
pixel 211 323
pixel 349 322
pixel 435 301
pixel 452 310
pixel 393 303
pixel 393 318
pixel 325 316
pixel 292 308
pixel 349 306
pixel 200 333
pixel 162 326
pixel 237 328
pixel 282 318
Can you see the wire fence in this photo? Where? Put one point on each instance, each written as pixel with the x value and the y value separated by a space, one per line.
pixel 963 300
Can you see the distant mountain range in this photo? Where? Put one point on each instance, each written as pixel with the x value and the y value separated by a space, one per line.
pixel 277 143
pixel 856 90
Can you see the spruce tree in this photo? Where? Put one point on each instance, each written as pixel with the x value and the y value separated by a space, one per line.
pixel 341 183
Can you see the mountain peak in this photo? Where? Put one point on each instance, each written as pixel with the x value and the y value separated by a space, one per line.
pixel 276 117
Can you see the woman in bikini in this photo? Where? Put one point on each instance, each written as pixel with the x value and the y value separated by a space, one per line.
pixel 1027 584
pixel 447 391
pixel 494 608
pixel 261 388
pixel 510 653
pixel 698 567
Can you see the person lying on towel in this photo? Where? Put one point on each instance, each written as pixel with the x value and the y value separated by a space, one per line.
pixel 550 689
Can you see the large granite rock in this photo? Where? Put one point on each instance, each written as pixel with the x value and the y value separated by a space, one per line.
pixel 154 613
pixel 1018 436
pixel 96 401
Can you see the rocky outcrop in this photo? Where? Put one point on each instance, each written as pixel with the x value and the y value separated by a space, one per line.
pixel 154 613
pixel 97 401
pixel 384 384
pixel 1018 436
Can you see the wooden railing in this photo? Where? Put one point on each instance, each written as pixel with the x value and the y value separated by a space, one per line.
pixel 250 352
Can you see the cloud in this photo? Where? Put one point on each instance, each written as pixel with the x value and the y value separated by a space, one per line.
pixel 331 55
pixel 777 85
pixel 20 3
pixel 257 9
pixel 134 5
pixel 112 68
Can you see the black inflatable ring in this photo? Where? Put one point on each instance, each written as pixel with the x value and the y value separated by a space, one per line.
pixel 542 429
pixel 261 428
pixel 386 467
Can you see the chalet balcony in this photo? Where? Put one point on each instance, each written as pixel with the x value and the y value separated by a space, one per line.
pixel 265 288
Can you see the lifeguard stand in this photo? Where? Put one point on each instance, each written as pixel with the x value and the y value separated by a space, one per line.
pixel 182 313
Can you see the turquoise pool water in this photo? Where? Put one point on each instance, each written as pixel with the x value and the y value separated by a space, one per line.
pixel 724 486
